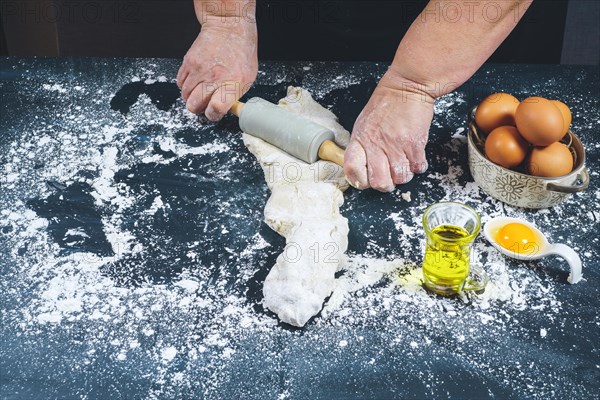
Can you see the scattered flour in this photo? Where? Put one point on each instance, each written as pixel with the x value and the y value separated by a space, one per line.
pixel 168 353
pixel 54 88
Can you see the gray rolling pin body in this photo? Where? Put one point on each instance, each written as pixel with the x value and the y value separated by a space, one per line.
pixel 290 132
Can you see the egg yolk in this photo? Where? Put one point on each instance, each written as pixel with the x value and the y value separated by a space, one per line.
pixel 518 238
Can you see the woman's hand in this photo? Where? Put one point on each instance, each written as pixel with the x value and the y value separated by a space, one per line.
pixel 389 137
pixel 220 66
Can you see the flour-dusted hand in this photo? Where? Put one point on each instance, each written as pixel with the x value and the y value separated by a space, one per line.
pixel 389 136
pixel 438 54
pixel 220 66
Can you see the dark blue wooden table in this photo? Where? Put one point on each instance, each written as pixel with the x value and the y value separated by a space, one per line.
pixel 133 250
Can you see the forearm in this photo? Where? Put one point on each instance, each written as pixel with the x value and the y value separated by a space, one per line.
pixel 450 40
pixel 225 12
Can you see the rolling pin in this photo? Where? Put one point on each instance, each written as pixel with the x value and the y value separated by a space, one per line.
pixel 290 132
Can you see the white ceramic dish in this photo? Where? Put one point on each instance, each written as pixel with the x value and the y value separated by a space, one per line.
pixel 519 189
pixel 490 231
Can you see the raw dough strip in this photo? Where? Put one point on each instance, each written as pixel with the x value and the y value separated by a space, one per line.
pixel 304 208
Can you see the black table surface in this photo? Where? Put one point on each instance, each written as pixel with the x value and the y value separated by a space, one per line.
pixel 134 252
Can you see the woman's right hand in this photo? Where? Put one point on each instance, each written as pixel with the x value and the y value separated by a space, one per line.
pixel 220 66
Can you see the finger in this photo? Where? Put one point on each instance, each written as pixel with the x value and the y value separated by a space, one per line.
pixel 200 97
pixel 189 85
pixel 222 100
pixel 419 163
pixel 400 169
pixel 415 152
pixel 182 74
pixel 355 165
pixel 378 170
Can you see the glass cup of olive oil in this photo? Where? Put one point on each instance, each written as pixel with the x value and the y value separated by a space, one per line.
pixel 451 229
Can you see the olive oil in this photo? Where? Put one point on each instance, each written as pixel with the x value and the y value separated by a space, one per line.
pixel 446 261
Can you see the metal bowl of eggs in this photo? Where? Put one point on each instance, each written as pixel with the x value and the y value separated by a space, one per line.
pixel 532 176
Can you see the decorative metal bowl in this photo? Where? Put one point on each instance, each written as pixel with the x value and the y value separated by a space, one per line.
pixel 518 188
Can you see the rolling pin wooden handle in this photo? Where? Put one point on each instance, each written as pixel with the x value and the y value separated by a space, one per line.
pixel 329 151
pixel 236 109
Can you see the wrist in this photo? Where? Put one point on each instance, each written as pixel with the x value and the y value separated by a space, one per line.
pixel 409 88
pixel 230 24
pixel 226 12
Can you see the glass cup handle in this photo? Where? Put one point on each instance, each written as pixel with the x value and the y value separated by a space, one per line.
pixel 477 279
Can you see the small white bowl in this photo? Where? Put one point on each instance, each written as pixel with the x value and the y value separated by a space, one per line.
pixel 523 190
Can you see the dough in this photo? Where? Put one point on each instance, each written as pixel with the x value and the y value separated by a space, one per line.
pixel 304 208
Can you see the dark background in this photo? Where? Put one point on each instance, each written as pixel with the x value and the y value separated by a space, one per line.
pixel 552 31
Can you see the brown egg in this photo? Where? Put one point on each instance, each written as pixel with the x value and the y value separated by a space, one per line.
pixel 550 161
pixel 566 114
pixel 505 146
pixel 539 121
pixel 496 110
